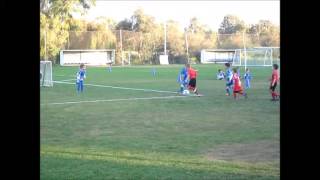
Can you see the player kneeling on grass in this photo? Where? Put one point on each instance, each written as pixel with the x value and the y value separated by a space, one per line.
pixel 274 79
pixel 192 76
pixel 237 88
pixel 220 74
pixel 81 75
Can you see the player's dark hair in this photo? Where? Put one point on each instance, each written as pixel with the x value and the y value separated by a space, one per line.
pixel 275 66
pixel 81 65
pixel 227 64
pixel 188 65
pixel 235 70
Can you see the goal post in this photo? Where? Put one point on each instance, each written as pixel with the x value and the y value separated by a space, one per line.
pixel 46 73
pixel 89 57
pixel 261 56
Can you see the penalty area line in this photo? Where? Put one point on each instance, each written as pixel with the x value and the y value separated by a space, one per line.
pixel 116 87
pixel 113 100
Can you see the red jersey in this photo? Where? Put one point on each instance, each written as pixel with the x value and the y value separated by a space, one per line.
pixel 236 82
pixel 275 76
pixel 192 73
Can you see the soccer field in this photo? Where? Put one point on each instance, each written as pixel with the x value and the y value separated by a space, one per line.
pixel 128 124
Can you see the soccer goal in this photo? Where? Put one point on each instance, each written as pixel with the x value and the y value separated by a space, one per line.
pixel 89 57
pixel 217 55
pixel 46 73
pixel 263 56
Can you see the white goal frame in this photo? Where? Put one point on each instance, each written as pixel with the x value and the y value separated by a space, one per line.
pixel 46 74
pixel 243 57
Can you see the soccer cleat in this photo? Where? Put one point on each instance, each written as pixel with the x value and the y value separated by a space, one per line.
pixel 227 94
pixel 245 95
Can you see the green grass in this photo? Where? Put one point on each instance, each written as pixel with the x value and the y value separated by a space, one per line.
pixel 153 139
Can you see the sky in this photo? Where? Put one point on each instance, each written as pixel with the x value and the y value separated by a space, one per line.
pixel 210 13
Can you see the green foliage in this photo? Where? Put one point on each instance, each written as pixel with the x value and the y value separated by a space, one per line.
pixel 141 34
pixel 231 24
pixel 55 21
pixel 199 37
pixel 142 22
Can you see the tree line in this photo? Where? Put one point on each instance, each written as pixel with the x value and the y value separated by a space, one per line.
pixel 142 36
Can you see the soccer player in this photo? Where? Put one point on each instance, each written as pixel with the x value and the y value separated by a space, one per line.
pixel 247 78
pixel 183 78
pixel 153 72
pixel 237 88
pixel 110 66
pixel 274 79
pixel 81 75
pixel 220 74
pixel 228 78
pixel 192 76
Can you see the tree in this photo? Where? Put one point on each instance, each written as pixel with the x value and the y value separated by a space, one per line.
pixel 265 33
pixel 55 20
pixel 269 34
pixel 199 37
pixel 142 22
pixel 231 24
pixel 175 39
pixel 125 24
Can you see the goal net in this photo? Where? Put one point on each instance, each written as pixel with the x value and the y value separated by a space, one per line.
pixel 255 57
pixel 46 73
pixel 89 57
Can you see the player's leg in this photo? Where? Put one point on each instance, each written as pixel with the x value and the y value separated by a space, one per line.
pixel 275 94
pixel 243 93
pixel 78 86
pixel 228 88
pixel 81 86
pixel 272 91
pixel 195 87
pixel 181 87
pixel 234 94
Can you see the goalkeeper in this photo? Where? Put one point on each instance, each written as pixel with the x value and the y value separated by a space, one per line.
pixel 183 78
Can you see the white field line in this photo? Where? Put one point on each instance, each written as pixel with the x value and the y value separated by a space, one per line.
pixel 63 75
pixel 68 80
pixel 115 87
pixel 112 100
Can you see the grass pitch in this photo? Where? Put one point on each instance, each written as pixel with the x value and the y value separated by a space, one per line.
pixel 129 124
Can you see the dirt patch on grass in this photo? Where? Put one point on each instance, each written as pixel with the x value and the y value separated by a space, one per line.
pixel 261 151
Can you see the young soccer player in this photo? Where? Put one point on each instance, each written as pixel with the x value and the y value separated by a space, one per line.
pixel 183 78
pixel 81 75
pixel 228 78
pixel 237 88
pixel 247 78
pixel 274 79
pixel 192 76
pixel 109 66
pixel 153 71
pixel 220 74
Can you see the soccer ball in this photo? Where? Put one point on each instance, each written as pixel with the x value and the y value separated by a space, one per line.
pixel 185 92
